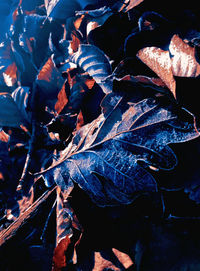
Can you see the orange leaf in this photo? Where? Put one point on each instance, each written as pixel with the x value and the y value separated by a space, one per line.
pixel 59 259
pixel 89 83
pixel 1 177
pixel 159 61
pixel 75 42
pixel 77 22
pixel 62 100
pixel 129 4
pixel 183 60
pixel 50 80
pixel 123 258
pixel 46 71
pixel 94 22
pixel 10 75
pixel 3 136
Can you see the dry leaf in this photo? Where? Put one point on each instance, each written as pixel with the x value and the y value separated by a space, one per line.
pixel 74 43
pixel 97 22
pixel 62 100
pixel 3 136
pixel 183 60
pixel 10 75
pixel 129 4
pixel 159 61
pixel 179 60
pixel 59 259
pixel 50 80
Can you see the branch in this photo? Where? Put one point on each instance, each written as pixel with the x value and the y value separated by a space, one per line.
pixel 24 218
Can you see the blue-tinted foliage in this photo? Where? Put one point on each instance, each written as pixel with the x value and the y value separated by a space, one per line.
pixel 63 9
pixel 110 156
pixel 9 112
pixel 20 96
pixel 92 60
pixel 6 16
pixel 30 5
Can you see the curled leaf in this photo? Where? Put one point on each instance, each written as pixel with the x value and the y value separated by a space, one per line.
pixel 95 18
pixel 4 136
pixel 183 59
pixel 20 96
pixel 180 60
pixel 92 60
pixel 159 61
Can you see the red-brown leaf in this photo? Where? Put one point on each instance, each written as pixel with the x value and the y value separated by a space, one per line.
pixel 159 61
pixel 179 60
pixel 62 100
pixel 59 259
pixel 3 136
pixel 183 60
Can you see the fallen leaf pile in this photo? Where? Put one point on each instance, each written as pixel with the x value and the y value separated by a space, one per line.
pixel 99 135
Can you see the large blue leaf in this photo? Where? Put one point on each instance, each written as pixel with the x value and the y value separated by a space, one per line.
pixel 108 158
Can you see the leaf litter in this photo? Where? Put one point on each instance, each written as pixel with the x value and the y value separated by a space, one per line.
pixel 94 118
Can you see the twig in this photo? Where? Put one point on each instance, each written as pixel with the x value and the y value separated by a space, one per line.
pixel 21 220
pixel 27 164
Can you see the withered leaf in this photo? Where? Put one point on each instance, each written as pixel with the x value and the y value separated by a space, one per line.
pixel 108 157
pixel 92 60
pixel 159 61
pixel 62 100
pixel 129 4
pixel 95 18
pixel 50 82
pixel 183 59
pixel 179 60
pixel 8 67
pixel 80 85
pixel 4 136
pixel 70 103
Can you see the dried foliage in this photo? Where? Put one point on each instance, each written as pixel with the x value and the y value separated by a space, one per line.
pixel 99 135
